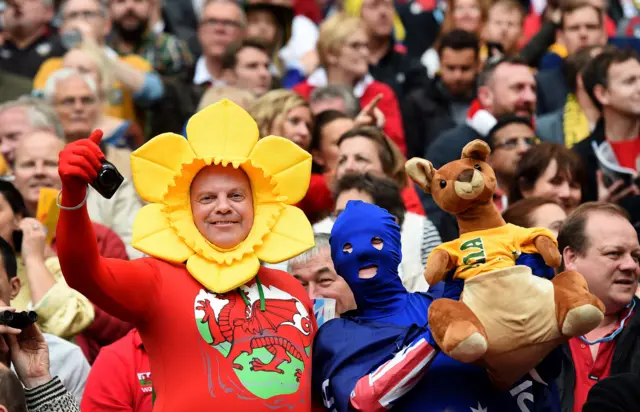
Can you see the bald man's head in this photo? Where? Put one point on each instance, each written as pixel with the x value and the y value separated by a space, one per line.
pixel 36 166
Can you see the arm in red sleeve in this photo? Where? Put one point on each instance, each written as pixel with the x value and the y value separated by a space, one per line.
pixel 112 284
pixel 109 243
pixel 377 391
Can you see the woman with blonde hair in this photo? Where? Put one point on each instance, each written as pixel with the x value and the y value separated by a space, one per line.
pixel 284 113
pixel 343 52
pixel 90 59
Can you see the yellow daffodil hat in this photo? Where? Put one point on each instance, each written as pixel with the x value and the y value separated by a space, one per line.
pixel 279 172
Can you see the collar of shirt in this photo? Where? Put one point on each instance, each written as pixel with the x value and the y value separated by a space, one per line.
pixel 319 79
pixel 137 340
pixel 46 35
pixel 202 74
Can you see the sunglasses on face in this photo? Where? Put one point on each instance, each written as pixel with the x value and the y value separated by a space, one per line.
pixel 513 142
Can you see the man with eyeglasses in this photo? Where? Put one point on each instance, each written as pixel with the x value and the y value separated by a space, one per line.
pixel 29 39
pixel 509 140
pixel 222 22
pixel 135 84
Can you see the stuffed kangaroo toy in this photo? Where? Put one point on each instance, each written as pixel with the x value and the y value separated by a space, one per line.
pixel 507 319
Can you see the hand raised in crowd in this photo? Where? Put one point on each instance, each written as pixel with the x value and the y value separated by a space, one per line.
pixel 30 356
pixel 615 192
pixel 371 115
pixel 34 236
pixel 80 162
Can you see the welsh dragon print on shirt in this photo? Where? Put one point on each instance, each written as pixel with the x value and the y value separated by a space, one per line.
pixel 268 348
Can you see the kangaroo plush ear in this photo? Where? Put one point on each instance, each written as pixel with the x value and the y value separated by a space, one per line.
pixel 420 171
pixel 478 149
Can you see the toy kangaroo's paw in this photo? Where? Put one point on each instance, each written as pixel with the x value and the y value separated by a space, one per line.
pixel 549 251
pixel 472 344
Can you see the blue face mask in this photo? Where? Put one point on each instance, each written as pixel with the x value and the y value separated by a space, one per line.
pixel 366 236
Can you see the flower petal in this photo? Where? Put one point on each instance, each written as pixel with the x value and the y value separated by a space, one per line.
pixel 153 235
pixel 223 131
pixel 157 162
pixel 220 278
pixel 291 235
pixel 286 163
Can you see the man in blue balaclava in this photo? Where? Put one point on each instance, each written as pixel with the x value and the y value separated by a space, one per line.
pixel 382 355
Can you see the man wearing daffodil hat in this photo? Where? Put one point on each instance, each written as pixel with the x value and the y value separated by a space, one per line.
pixel 222 332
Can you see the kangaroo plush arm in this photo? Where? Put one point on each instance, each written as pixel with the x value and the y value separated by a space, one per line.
pixel 438 264
pixel 548 250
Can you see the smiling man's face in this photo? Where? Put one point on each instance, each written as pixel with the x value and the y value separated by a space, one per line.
pixel 222 205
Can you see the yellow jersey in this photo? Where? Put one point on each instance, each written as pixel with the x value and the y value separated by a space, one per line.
pixel 483 251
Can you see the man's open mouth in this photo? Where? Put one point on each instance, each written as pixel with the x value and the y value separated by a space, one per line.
pixel 367 272
pixel 625 281
pixel 224 223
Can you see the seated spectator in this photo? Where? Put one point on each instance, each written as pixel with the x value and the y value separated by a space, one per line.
pixel 62 311
pixel 329 125
pixel 284 113
pixel 466 15
pixel 36 163
pixel 575 121
pixel 135 84
pixel 509 140
pixel 245 65
pixel 598 241
pixel 581 25
pixel 314 269
pixel 443 102
pixel 89 59
pixel 418 235
pixel 552 171
pixel 536 212
pixel 66 359
pixel 120 378
pixel 131 33
pixel 22 117
pixel 368 149
pixel 388 63
pixel 28 37
pixel 612 80
pixel 76 99
pixel 343 53
pixel 334 97
pixel 504 26
pixel 240 97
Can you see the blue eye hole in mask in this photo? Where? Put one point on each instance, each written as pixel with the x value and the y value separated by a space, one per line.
pixel 366 252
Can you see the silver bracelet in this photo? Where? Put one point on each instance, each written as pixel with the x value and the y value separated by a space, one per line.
pixel 73 207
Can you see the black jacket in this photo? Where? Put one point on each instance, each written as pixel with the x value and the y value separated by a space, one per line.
pixel 400 72
pixel 426 113
pixel 626 358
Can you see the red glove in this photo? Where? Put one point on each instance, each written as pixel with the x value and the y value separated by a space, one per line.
pixel 78 165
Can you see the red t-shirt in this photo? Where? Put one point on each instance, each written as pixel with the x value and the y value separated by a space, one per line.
pixel 120 378
pixel 627 152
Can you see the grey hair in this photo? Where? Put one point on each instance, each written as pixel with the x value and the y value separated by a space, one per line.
pixel 39 114
pixel 243 15
pixel 322 242
pixel 104 9
pixel 335 91
pixel 64 74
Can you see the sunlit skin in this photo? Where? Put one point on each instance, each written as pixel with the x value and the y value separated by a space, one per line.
pixel 222 205
pixel 358 155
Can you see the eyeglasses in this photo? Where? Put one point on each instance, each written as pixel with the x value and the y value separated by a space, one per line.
pixel 82 14
pixel 513 142
pixel 226 23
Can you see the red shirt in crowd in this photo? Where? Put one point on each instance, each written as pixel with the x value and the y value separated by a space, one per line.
pixel 627 152
pixel 120 378
pixel 388 105
pixel 590 371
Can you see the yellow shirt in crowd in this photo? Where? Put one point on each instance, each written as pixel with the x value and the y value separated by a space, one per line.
pixel 483 251
pixel 62 311
pixel 119 100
